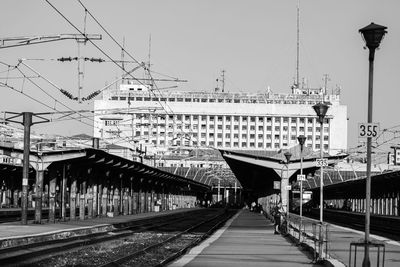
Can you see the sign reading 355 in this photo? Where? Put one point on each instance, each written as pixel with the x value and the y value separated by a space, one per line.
pixel 368 130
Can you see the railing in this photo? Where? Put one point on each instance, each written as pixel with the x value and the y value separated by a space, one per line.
pixel 311 233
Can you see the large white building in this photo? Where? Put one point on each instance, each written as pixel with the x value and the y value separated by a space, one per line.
pixel 242 121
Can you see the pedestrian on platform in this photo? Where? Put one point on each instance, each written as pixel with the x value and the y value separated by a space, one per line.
pixel 277 218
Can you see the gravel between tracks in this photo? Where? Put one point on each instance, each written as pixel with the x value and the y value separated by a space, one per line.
pixel 101 253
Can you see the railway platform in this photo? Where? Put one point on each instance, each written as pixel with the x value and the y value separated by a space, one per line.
pixel 246 240
pixel 339 248
pixel 15 234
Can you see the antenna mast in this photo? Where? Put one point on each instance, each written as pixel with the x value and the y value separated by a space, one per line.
pixel 122 59
pixel 298 44
pixel 223 81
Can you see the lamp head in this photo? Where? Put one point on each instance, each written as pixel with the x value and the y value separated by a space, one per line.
pixel 302 140
pixel 288 155
pixel 321 109
pixel 373 35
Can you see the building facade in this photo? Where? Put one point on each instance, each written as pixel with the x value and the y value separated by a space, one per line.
pixel 240 121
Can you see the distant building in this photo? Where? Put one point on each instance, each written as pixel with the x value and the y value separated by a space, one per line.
pixel 134 114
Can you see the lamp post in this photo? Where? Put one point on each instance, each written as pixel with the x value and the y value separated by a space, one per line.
pixel 372 35
pixel 302 140
pixel 288 155
pixel 321 109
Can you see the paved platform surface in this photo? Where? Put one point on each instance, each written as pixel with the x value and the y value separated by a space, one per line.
pixel 246 240
pixel 339 247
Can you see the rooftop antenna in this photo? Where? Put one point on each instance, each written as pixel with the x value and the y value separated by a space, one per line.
pixel 122 59
pixel 298 45
pixel 326 79
pixel 223 81
pixel 149 64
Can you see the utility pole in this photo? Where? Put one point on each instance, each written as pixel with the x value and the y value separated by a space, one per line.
pixel 27 123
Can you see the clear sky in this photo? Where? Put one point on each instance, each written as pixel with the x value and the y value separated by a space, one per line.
pixel 253 41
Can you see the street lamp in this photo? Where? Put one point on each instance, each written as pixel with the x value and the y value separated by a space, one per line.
pixel 321 109
pixel 288 155
pixel 372 35
pixel 302 140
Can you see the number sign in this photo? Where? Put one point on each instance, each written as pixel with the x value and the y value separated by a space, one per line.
pixel 321 162
pixel 368 130
pixel 301 177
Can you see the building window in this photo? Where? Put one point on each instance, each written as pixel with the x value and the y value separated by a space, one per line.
pixel 111 122
pixel 301 120
pixel 220 127
pixel 219 144
pixel 285 120
pixel 252 128
pixel 244 136
pixel 326 138
pixel 277 128
pixel 277 119
pixel 219 135
pixel 269 119
pixel 227 127
pixel 228 119
pixel 252 119
pixel 309 129
pixel 235 144
pixel 260 145
pixel 252 136
pixel 260 128
pixel 310 120
pixel 293 120
pixel 260 136
pixel 227 135
pixel 227 144
pixel 268 145
pixel 236 118
pixel 244 127
pixel 211 135
pixel 260 119
pixel 236 135
pixel 236 127
pixel 276 145
pixel 269 128
pixel 269 137
pixel 244 144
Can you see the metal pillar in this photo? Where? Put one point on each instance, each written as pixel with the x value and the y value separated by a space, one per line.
pixel 27 122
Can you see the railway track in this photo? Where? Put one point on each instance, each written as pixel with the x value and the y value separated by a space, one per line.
pixel 386 226
pixel 174 234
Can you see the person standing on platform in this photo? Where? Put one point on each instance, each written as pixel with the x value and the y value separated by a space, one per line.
pixel 277 218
